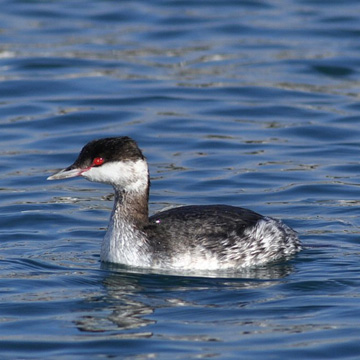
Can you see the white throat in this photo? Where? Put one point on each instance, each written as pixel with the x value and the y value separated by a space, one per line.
pixel 131 176
pixel 124 243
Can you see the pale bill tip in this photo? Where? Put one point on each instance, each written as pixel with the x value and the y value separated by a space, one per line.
pixel 65 174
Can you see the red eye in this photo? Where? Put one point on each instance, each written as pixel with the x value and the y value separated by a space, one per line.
pixel 98 161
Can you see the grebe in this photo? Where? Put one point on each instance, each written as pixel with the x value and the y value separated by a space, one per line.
pixel 206 237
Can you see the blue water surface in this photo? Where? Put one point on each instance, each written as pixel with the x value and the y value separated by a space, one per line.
pixel 249 103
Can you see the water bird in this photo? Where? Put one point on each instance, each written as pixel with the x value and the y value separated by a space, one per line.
pixel 196 237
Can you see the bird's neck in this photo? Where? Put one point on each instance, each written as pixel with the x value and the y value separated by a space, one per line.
pixel 132 207
pixel 125 242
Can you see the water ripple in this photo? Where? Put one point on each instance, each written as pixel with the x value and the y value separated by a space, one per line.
pixel 248 103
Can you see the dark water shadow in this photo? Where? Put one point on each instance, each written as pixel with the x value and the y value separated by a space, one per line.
pixel 132 296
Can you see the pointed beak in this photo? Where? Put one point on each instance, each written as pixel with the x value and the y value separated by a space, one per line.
pixel 66 174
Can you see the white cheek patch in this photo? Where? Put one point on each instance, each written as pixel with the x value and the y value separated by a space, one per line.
pixel 127 175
